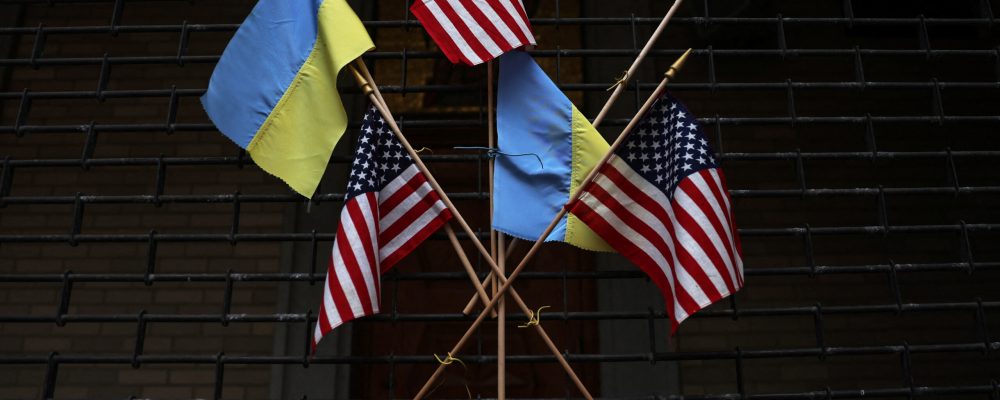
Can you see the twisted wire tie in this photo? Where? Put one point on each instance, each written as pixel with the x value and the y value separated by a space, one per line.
pixel 493 152
pixel 535 319
pixel 620 80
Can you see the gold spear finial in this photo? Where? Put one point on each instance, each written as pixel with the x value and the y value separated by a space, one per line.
pixel 669 75
pixel 366 87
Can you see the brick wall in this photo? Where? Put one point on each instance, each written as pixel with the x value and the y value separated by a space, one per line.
pixel 706 343
pixel 129 299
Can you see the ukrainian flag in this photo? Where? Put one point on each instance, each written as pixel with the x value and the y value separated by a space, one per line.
pixel 274 91
pixel 534 116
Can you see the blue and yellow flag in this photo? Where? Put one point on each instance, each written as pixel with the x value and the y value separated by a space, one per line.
pixel 274 91
pixel 534 116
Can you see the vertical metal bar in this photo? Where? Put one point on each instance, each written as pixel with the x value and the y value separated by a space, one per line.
pixel 150 258
pixel 182 43
pixel 818 326
pixel 64 298
pixel 51 374
pixel 140 339
pixel 220 368
pixel 103 77
pixel 235 227
pixel 22 113
pixel 6 178
pixel 88 146
pixel 77 219
pixel 227 299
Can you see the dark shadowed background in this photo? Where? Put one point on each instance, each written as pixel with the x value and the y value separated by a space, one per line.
pixel 142 254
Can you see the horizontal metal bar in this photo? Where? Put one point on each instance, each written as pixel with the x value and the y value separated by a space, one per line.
pixel 548 316
pixel 603 21
pixel 589 87
pixel 422 54
pixel 832 351
pixel 200 161
pixel 336 197
pixel 477 123
pixel 327 237
pixel 236 276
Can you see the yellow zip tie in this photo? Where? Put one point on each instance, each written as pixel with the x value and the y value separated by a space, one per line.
pixel 535 319
pixel 448 360
pixel 423 149
pixel 620 80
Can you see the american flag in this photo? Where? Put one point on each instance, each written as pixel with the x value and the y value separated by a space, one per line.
pixel 390 208
pixel 474 31
pixel 661 201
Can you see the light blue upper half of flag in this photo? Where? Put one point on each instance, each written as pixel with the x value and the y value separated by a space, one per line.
pixel 259 64
pixel 533 116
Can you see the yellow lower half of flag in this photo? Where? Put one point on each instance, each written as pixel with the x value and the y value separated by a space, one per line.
pixel 588 147
pixel 296 140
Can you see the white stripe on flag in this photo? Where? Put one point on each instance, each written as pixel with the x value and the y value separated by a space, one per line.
pixel 397 183
pixel 360 253
pixel 717 179
pixel 687 282
pixel 516 16
pixel 344 277
pixel 699 182
pixel 477 30
pixel 498 23
pixel 317 333
pixel 412 199
pixel 644 215
pixel 452 32
pixel 423 220
pixel 639 241
pixel 685 202
pixel 333 317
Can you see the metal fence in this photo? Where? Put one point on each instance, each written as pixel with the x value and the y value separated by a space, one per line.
pixel 858 138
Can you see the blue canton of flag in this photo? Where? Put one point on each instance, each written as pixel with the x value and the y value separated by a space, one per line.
pixel 667 146
pixel 378 159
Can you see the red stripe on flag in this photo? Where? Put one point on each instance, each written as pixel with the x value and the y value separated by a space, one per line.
pixel 375 267
pixel 389 233
pixel 464 30
pixel 634 222
pixel 519 7
pixel 350 263
pixel 418 237
pixel 437 32
pixel 705 205
pixel 697 270
pixel 363 226
pixel 337 293
pixel 659 211
pixel 390 202
pixel 633 253
pixel 719 227
pixel 486 25
pixel 508 20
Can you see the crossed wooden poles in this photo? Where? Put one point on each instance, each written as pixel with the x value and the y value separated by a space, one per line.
pixel 500 280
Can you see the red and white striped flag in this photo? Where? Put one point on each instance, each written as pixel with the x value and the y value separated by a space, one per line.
pixel 390 208
pixel 474 31
pixel 661 201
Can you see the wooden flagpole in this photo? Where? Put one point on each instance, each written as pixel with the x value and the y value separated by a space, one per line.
pixel 619 88
pixel 501 324
pixel 367 85
pixel 480 290
pixel 620 85
pixel 488 282
pixel 495 242
pixel 534 248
